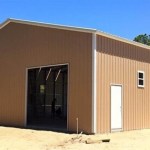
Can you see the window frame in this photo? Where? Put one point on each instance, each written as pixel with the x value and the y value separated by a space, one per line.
pixel 138 79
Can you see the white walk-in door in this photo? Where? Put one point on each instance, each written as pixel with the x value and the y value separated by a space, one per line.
pixel 116 107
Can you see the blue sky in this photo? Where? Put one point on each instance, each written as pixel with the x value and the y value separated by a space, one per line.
pixel 124 18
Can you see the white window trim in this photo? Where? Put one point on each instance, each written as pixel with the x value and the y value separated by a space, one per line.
pixel 141 86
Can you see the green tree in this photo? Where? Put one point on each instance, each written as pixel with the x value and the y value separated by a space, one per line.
pixel 143 38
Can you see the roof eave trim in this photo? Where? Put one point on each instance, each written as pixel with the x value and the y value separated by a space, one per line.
pixel 72 28
pixel 3 24
pixel 42 24
pixel 122 39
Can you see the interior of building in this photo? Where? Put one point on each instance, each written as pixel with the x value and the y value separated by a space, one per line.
pixel 47 97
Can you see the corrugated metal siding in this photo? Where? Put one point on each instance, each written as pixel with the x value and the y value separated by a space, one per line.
pixel 118 63
pixel 25 46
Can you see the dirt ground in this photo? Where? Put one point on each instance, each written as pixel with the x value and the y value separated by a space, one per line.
pixel 25 139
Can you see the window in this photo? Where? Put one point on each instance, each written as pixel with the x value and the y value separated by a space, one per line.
pixel 140 77
pixel 42 89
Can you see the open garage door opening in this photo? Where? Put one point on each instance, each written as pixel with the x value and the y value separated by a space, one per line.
pixel 47 97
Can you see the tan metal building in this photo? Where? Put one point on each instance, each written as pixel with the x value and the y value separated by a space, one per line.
pixel 54 76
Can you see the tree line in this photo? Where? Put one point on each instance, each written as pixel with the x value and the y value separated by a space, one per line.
pixel 143 38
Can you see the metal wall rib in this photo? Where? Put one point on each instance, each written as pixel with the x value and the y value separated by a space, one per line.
pixel 24 46
pixel 118 63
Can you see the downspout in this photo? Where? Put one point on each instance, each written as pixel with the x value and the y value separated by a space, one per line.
pixel 94 107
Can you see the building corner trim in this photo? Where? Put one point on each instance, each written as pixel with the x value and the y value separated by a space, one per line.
pixel 94 107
